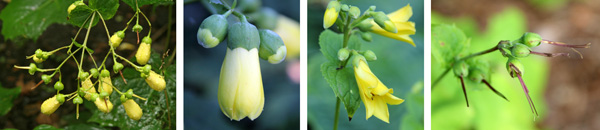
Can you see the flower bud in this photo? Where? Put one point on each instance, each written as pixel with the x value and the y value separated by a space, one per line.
pixel 248 6
pixel 345 7
pixel 60 98
pixel 343 54
pixel 384 22
pixel 117 38
pixel 129 94
pixel 365 26
pixel 476 75
pixel 212 31
pixel 271 47
pixel 143 54
pixel 94 72
pixel 123 98
pixel 506 44
pixel 50 105
pixel 105 85
pixel 356 58
pixel 517 63
pixel 366 36
pixel 88 86
pixel 103 105
pixel 37 59
pixel 266 19
pixel 331 14
pixel 32 68
pixel 59 86
pixel 46 78
pixel 83 75
pixel 520 50
pixel 354 12
pixel 133 109
pixel 155 81
pixel 370 55
pixel 39 53
pixel 461 69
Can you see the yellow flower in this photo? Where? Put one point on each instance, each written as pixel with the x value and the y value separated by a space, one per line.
pixel 240 91
pixel 374 94
pixel 50 105
pixel 103 105
pixel 331 14
pixel 133 109
pixel 289 31
pixel 400 19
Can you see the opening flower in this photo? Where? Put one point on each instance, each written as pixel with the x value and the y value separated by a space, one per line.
pixel 331 14
pixel 400 20
pixel 240 84
pixel 374 94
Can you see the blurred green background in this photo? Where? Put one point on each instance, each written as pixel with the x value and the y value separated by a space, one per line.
pixel 201 79
pixel 563 89
pixel 399 66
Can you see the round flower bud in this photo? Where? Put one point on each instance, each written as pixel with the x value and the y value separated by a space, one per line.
pixel 32 68
pixel 137 28
pixel 532 39
pixel 117 67
pixel 354 12
pixel 343 54
pixel 517 63
pixel 59 86
pixel 46 78
pixel 104 73
pixel 94 72
pixel 370 55
pixel 366 36
pixel 212 31
pixel 272 48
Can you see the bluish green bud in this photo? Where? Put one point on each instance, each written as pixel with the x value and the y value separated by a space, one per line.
pixel 354 12
pixel 366 36
pixel 212 31
pixel 243 34
pixel 461 69
pixel 370 55
pixel 384 22
pixel 343 54
pixel 271 48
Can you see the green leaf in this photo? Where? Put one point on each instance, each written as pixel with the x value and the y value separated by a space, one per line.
pixel 330 43
pixel 29 18
pixel 343 84
pixel 81 14
pixel 414 120
pixel 107 8
pixel 141 3
pixel 86 126
pixel 45 127
pixel 447 43
pixel 8 96
pixel 156 114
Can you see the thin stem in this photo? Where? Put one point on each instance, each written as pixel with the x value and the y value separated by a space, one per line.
pixel 549 54
pixel 124 59
pixel 347 32
pixel 495 91
pixel 337 111
pixel 149 24
pixel 84 46
pixel 61 64
pixel 462 82
pixel 479 53
pixel 439 78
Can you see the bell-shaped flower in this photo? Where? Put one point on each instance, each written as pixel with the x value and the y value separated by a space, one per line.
pixel 374 94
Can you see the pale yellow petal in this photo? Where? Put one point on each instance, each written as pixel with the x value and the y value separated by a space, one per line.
pixel 380 109
pixel 402 14
pixel 249 84
pixel 392 100
pixel 380 90
pixel 363 73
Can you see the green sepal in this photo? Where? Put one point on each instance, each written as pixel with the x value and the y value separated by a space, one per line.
pixel 243 34
pixel 212 31
pixel 384 22
pixel 517 63
pixel 354 12
pixel 532 39
pixel 334 4
pixel 365 26
pixel 77 100
pixel 370 55
pixel 46 78
pixel 366 36
pixel 343 54
pixel 271 48
pixel 32 68
pixel 94 72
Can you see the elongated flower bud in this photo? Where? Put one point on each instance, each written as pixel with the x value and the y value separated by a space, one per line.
pixel 520 50
pixel 50 105
pixel 103 105
pixel 331 14
pixel 155 81
pixel 117 38
pixel 271 47
pixel 133 109
pixel 384 22
pixel 89 86
pixel 105 85
pixel 143 54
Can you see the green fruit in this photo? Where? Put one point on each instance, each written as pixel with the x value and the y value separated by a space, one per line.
pixel 60 98
pixel 117 67
pixel 244 35
pixel 94 72
pixel 46 78
pixel 517 63
pixel 59 86
pixel 532 39
pixel 123 98
pixel 83 75
pixel 137 28
pixel 520 50
pixel 32 68
pixel 104 73
pixel 77 100
pixel 129 94
pixel 461 69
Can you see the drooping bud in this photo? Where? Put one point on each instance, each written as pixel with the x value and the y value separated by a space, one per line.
pixel 155 81
pixel 331 13
pixel 384 22
pixel 272 48
pixel 133 109
pixel 50 105
pixel 212 31
pixel 370 55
